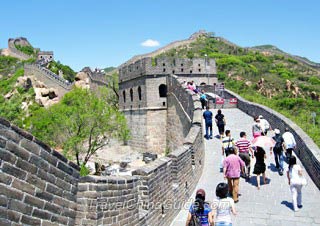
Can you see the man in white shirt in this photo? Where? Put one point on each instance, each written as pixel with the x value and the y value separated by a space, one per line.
pixel 264 124
pixel 289 141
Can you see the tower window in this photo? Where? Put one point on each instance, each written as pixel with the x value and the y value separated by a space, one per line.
pixel 124 96
pixel 163 90
pixel 131 95
pixel 139 92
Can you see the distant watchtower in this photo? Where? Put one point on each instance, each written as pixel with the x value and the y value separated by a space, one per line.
pixel 45 55
pixel 143 95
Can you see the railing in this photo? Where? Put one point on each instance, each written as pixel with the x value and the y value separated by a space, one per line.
pixel 49 74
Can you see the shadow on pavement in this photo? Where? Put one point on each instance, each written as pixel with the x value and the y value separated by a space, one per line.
pixel 287 204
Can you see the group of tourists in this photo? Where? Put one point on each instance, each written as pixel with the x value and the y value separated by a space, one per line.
pixel 236 163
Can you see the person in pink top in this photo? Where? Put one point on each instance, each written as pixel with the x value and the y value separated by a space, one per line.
pixel 232 166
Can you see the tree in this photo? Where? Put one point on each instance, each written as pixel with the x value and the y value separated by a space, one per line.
pixel 81 124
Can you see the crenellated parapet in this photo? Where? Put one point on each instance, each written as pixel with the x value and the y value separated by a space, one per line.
pixel 165 66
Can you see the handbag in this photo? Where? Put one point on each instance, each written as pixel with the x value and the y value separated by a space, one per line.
pixel 303 181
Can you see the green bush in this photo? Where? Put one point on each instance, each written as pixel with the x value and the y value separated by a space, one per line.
pixel 314 80
pixel 68 73
pixel 25 49
pixel 84 171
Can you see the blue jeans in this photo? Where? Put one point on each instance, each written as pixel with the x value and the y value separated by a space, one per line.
pixel 279 158
pixel 222 224
pixel 208 127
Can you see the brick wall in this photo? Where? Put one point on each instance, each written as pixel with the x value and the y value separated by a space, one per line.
pixel 307 151
pixel 38 185
pixel 107 201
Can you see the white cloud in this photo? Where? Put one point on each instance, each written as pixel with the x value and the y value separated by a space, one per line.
pixel 150 43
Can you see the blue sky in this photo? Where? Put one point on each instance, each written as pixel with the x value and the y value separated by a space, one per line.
pixel 101 33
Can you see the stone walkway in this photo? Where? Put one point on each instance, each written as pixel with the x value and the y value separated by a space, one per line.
pixel 271 205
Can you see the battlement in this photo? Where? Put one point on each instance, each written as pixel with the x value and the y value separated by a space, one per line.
pixel 165 66
pixel 45 55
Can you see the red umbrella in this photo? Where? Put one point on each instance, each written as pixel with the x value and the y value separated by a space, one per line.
pixel 263 141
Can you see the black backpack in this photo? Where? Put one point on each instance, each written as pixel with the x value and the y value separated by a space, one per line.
pixel 278 146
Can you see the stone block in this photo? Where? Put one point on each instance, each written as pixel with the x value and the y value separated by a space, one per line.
pixel 10 193
pixel 65 168
pixel 14 171
pixel 7 156
pixel 30 220
pixel 5 179
pixel 48 157
pixel 2 142
pixel 53 208
pixel 14 216
pixel 30 146
pixel 54 190
pixel 60 219
pixel 23 186
pixel 24 165
pixel 39 162
pixel 10 135
pixel 3 201
pixel 37 182
pixel 33 201
pixel 44 195
pixel 19 206
pixel 41 214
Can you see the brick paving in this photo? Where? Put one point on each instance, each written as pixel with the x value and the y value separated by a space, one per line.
pixel 271 205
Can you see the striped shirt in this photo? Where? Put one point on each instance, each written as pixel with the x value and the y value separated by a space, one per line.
pixel 243 145
pixel 227 141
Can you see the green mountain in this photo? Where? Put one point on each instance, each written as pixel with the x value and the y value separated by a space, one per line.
pixel 265 75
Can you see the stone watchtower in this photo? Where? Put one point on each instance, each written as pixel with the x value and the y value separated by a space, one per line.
pixel 143 95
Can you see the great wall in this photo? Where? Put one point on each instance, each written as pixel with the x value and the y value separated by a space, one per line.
pixel 39 186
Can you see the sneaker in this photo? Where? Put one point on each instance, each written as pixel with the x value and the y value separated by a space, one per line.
pixel 280 173
pixel 300 206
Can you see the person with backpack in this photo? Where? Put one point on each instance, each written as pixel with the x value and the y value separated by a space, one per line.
pixel 223 206
pixel 200 212
pixel 207 115
pixel 278 151
pixel 220 122
pixel 203 99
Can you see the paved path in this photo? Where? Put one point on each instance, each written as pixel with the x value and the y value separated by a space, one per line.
pixel 271 205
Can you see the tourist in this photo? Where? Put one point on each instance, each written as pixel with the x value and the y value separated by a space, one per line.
pixel 294 175
pixel 203 99
pixel 244 148
pixel 220 122
pixel 223 206
pixel 200 211
pixel 278 151
pixel 290 143
pixel 260 166
pixel 265 125
pixel 227 143
pixel 232 166
pixel 256 128
pixel 207 115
